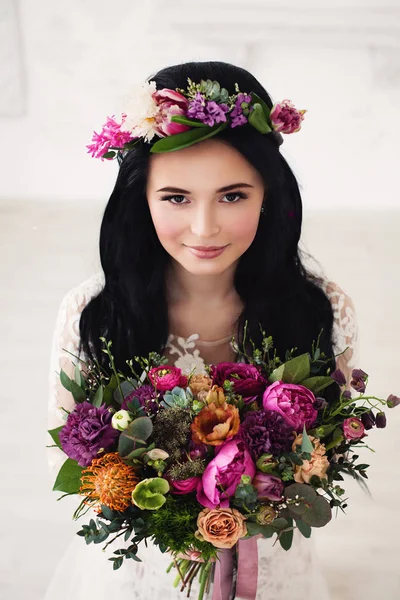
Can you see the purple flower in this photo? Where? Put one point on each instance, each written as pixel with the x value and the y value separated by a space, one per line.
pixel 368 419
pixel 196 107
pixel 268 487
pixel 265 431
pixel 146 396
pixel 87 433
pixel 380 420
pixel 358 381
pixel 237 116
pixel 339 377
pixel 393 401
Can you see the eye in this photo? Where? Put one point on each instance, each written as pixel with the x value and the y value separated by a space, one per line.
pixel 170 198
pixel 239 195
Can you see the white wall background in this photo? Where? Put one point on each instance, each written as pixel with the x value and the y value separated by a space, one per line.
pixel 64 66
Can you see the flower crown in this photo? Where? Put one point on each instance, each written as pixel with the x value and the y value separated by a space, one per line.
pixel 181 118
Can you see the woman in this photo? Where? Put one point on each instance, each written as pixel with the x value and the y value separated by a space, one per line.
pixel 193 243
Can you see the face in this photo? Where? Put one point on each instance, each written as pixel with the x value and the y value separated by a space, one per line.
pixel 204 196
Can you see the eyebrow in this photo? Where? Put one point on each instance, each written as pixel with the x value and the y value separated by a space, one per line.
pixel 226 188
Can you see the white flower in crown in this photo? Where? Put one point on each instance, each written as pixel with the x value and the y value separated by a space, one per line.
pixel 141 111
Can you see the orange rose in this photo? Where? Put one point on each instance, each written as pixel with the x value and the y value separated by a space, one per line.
pixel 215 424
pixel 222 527
pixel 317 465
pixel 199 383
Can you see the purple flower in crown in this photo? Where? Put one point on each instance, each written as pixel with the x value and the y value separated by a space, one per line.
pixel 216 113
pixel 197 106
pixel 237 115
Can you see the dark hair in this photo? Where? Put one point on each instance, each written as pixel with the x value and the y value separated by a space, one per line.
pixel 276 290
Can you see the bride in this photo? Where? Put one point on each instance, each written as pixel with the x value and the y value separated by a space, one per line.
pixel 163 287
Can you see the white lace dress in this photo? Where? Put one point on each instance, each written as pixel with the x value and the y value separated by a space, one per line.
pixel 84 572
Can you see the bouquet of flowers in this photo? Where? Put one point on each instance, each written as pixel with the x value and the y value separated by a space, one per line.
pixel 202 464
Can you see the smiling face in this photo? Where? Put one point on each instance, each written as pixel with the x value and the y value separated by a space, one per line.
pixel 206 195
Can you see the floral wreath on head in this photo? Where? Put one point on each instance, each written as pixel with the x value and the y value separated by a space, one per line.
pixel 181 118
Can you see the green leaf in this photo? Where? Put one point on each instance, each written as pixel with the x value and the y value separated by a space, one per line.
pixel 277 374
pixel 318 514
pixel 257 119
pixel 77 392
pixel 304 529
pixel 258 100
pixel 297 369
pixel 322 431
pixel 65 380
pixel 317 384
pixel 109 391
pixel 186 138
pixel 98 397
pixel 69 477
pixel 78 376
pixel 185 121
pixel 109 154
pixel 55 435
pixel 286 539
pixel 255 528
pixel 140 429
pixel 306 444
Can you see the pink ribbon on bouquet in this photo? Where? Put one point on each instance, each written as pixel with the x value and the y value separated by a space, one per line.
pixel 246 584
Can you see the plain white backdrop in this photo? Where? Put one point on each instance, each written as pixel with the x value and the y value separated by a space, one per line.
pixel 64 67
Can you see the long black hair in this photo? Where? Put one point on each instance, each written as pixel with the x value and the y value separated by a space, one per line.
pixel 271 280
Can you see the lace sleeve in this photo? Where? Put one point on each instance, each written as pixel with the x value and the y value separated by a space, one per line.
pixel 66 340
pixel 345 330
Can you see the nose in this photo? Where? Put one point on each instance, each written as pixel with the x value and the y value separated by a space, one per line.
pixel 204 222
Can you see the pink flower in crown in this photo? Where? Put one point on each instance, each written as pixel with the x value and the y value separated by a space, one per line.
pixel 110 136
pixel 170 103
pixel 285 118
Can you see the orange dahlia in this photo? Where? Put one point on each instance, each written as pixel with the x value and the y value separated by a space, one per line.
pixel 109 481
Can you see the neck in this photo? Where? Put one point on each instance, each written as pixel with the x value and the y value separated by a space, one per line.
pixel 206 290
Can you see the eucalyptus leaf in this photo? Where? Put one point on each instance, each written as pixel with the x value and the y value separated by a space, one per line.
pixel 304 529
pixel 69 477
pixel 297 369
pixel 318 514
pixel 255 528
pixel 186 138
pixel 286 539
pixel 317 384
pixel 141 428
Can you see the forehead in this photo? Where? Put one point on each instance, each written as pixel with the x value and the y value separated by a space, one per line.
pixel 210 162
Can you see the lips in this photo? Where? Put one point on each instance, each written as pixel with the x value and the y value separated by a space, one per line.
pixel 206 248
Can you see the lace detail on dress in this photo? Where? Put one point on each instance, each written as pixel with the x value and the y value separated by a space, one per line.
pixel 345 329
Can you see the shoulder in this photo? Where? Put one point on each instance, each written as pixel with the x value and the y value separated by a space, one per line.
pixel 80 295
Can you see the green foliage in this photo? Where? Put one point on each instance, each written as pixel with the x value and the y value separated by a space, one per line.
pixel 55 434
pixel 149 494
pixel 245 497
pixel 174 526
pixel 69 477
pixel 304 502
pixel 186 138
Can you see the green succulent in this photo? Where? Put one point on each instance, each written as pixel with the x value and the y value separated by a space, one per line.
pixel 177 397
pixel 149 494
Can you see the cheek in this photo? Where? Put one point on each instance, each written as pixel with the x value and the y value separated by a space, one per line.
pixel 244 230
pixel 167 226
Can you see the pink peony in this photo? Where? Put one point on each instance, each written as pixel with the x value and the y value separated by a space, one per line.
pixel 268 487
pixel 285 118
pixel 184 486
pixel 165 379
pixel 295 403
pixel 170 103
pixel 223 474
pixel 353 429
